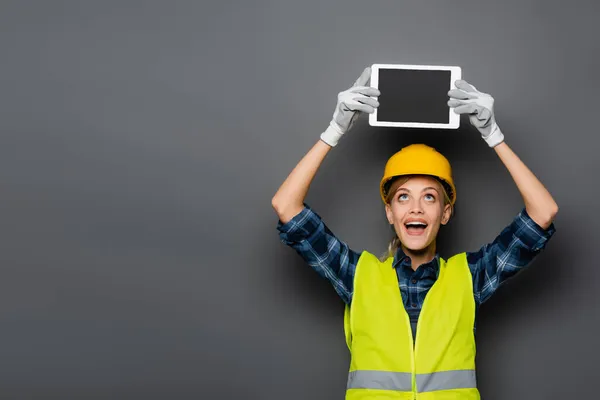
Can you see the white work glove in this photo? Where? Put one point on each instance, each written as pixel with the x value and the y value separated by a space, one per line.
pixel 480 107
pixel 358 98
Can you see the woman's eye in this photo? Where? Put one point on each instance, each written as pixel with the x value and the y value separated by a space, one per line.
pixel 404 197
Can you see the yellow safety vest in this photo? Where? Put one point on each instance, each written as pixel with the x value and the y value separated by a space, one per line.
pixel 384 363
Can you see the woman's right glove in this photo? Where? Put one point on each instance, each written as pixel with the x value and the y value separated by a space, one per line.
pixel 358 98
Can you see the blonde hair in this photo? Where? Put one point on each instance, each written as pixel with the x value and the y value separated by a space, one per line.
pixel 390 190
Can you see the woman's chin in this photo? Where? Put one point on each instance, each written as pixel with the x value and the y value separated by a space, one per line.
pixel 416 249
pixel 415 243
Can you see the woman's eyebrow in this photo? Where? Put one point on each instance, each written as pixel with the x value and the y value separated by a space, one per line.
pixel 422 190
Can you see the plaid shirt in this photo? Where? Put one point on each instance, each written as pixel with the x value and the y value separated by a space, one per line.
pixel 512 250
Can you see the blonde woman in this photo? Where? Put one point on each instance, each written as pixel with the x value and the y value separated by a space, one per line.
pixel 410 315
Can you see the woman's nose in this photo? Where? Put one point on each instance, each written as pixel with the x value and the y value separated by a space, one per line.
pixel 416 208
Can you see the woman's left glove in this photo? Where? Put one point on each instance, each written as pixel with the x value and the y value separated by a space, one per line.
pixel 480 106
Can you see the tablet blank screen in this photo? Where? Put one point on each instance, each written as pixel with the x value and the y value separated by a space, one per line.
pixel 413 96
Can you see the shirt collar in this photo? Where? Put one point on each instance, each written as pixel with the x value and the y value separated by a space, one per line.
pixel 401 259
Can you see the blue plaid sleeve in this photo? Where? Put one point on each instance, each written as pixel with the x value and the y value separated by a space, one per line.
pixel 512 250
pixel 321 249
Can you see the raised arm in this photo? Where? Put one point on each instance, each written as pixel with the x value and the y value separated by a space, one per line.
pixel 521 241
pixel 302 228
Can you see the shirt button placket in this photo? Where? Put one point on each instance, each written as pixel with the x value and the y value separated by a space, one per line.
pixel 413 281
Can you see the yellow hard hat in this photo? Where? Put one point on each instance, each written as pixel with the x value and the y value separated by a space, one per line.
pixel 419 159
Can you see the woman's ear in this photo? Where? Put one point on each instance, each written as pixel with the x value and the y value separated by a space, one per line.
pixel 446 214
pixel 389 215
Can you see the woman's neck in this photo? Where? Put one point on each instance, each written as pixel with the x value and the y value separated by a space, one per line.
pixel 419 257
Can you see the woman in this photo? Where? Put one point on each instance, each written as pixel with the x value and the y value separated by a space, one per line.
pixel 410 316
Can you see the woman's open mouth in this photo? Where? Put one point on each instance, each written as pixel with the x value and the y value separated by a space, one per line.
pixel 415 228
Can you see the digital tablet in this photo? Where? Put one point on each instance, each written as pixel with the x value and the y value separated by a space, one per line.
pixel 414 96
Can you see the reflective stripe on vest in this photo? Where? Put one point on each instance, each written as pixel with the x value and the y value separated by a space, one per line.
pixel 380 380
pixel 401 381
pixel 446 380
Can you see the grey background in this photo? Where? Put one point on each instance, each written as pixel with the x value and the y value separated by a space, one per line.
pixel 142 142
